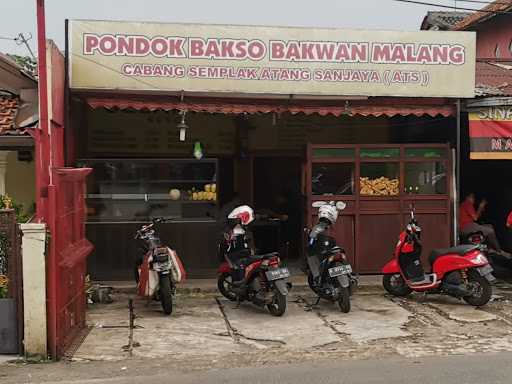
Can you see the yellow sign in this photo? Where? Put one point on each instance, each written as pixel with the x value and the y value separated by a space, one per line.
pixel 270 60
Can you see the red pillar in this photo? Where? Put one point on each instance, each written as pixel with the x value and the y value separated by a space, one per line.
pixel 45 202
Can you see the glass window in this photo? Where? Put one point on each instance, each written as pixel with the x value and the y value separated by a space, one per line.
pixel 379 153
pixel 137 190
pixel 426 178
pixel 333 179
pixel 319 153
pixel 425 152
pixel 379 179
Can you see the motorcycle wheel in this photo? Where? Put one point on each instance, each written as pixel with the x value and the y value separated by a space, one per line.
pixel 311 283
pixel 344 300
pixel 481 288
pixel 166 294
pixel 396 285
pixel 224 283
pixel 278 306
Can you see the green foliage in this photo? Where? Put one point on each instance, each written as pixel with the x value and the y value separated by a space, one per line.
pixel 26 62
pixel 7 202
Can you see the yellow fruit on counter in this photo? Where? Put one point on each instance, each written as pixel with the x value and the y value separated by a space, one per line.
pixel 194 196
pixel 207 188
pixel 214 188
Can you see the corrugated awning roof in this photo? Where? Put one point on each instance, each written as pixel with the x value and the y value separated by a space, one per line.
pixel 493 79
pixel 388 107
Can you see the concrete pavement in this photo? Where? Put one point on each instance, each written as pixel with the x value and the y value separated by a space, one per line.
pixel 474 369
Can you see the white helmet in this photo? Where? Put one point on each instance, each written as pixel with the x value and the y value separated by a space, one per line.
pixel 328 212
pixel 244 213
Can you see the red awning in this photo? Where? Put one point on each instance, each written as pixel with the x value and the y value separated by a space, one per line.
pixel 386 107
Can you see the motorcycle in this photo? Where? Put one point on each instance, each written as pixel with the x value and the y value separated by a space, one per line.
pixel 244 276
pixel 329 272
pixel 501 263
pixel 160 268
pixel 462 272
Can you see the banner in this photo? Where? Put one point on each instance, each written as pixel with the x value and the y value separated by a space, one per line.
pixel 490 133
pixel 270 60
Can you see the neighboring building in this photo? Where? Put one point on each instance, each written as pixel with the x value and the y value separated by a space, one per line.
pixel 442 21
pixel 18 112
pixel 486 134
pixel 493 25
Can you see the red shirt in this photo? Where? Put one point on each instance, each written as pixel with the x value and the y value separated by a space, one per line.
pixel 509 219
pixel 466 214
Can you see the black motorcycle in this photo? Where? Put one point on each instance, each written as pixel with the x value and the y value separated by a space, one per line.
pixel 329 271
pixel 502 264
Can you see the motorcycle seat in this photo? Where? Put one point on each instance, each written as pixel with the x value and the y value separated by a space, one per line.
pixel 460 250
pixel 263 256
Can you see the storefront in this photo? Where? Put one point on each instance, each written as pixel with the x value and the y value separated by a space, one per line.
pixel 180 120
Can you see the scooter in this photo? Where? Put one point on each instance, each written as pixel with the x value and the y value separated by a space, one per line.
pixel 160 268
pixel 329 272
pixel 243 276
pixel 501 263
pixel 462 272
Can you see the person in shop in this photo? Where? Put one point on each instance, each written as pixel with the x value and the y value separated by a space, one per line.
pixel 287 210
pixel 468 222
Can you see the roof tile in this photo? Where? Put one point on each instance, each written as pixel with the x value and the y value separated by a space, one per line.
pixel 8 111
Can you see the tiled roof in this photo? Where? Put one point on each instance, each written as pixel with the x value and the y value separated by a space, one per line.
pixel 442 20
pixel 8 111
pixel 485 13
pixel 493 79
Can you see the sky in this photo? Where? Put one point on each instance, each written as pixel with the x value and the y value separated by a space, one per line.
pixel 19 16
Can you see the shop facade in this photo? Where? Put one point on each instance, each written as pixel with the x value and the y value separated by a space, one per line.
pixel 182 120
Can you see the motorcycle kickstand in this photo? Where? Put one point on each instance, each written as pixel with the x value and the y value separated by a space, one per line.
pixel 310 307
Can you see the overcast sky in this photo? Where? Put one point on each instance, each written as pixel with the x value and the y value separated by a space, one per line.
pixel 19 16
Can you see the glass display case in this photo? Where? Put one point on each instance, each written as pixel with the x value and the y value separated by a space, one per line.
pixel 133 190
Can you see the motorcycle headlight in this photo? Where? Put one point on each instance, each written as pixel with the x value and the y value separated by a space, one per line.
pixel 479 259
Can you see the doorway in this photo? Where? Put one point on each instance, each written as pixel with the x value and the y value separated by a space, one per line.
pixel 277 194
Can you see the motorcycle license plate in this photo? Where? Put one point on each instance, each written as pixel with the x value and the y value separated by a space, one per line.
pixel 344 269
pixel 278 273
pixel 485 270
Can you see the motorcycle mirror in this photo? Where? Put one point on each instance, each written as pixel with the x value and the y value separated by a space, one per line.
pixel 318 204
pixel 340 205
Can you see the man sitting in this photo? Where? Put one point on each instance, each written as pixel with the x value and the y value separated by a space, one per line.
pixel 468 218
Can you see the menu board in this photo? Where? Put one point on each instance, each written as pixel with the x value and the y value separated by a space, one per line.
pixel 150 133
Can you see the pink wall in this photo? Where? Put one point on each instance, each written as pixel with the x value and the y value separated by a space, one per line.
pixel 497 31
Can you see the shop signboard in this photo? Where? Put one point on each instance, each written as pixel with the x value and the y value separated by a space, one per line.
pixel 490 133
pixel 257 60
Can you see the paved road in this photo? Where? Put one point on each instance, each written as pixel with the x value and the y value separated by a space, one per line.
pixel 474 369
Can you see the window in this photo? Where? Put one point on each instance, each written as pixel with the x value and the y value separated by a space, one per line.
pixel 333 179
pixel 379 179
pixel 426 178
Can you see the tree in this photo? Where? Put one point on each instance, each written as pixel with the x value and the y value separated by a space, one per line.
pixel 28 63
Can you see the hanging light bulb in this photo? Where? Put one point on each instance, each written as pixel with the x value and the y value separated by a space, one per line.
pixel 182 126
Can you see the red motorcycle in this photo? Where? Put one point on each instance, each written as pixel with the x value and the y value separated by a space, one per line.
pixel 462 272
pixel 244 276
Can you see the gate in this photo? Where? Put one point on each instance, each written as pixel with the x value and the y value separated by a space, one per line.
pixel 67 257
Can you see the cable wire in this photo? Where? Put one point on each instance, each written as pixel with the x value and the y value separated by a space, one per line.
pixel 452 7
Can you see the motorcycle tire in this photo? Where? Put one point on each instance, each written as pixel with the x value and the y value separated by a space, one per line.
pixel 399 288
pixel 223 283
pixel 484 287
pixel 312 284
pixel 166 294
pixel 278 306
pixel 344 300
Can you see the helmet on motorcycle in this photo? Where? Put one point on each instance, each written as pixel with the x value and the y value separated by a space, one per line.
pixel 244 213
pixel 328 212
